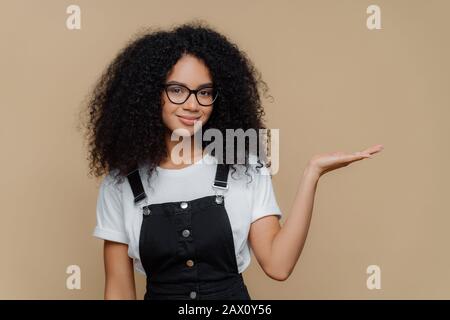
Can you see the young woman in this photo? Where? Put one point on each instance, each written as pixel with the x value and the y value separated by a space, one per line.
pixel 189 227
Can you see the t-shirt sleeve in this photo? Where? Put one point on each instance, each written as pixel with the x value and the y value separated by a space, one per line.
pixel 264 201
pixel 110 220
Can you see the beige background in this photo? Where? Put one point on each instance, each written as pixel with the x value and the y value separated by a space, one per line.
pixel 337 86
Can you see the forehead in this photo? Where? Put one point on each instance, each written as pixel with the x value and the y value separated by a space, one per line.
pixel 191 71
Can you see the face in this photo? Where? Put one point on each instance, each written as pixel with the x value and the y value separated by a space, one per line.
pixel 192 73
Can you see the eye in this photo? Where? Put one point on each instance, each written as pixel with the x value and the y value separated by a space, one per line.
pixel 206 92
pixel 175 89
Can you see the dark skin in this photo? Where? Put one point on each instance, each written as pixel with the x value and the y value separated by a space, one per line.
pixel 276 248
pixel 191 71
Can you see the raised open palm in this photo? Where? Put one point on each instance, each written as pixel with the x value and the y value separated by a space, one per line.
pixel 324 163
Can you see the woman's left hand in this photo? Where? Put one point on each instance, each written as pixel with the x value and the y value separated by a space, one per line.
pixel 324 163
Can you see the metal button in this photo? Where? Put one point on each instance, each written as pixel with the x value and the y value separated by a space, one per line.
pixel 146 211
pixel 193 294
pixel 186 233
pixel 183 205
pixel 219 199
pixel 190 263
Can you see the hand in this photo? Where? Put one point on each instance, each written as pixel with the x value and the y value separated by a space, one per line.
pixel 324 163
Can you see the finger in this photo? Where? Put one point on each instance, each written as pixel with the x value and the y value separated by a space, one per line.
pixel 351 157
pixel 363 155
pixel 374 149
pixel 356 156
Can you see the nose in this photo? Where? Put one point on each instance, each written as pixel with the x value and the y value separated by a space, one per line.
pixel 191 103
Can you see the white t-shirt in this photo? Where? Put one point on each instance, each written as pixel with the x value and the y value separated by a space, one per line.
pixel 119 219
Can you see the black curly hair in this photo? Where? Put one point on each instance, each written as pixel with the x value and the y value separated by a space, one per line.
pixel 124 120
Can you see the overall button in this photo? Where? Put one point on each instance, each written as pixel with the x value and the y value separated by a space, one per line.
pixel 193 294
pixel 190 263
pixel 183 205
pixel 146 211
pixel 219 199
pixel 186 233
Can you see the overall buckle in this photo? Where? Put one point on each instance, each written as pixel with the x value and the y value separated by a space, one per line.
pixel 219 194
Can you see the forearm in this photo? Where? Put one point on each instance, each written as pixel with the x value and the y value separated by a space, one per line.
pixel 288 243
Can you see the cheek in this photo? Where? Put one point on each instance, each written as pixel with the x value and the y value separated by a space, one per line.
pixel 207 113
pixel 167 114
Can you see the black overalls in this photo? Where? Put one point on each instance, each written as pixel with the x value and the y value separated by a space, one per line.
pixel 186 247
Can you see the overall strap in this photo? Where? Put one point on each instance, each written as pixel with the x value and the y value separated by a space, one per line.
pixel 220 181
pixel 136 185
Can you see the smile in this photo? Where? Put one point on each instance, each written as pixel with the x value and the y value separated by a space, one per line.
pixel 189 121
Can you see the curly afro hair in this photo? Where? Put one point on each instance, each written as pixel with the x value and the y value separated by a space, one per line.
pixel 124 118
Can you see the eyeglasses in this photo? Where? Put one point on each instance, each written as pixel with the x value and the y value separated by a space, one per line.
pixel 178 94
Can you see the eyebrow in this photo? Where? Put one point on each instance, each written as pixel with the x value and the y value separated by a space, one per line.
pixel 184 84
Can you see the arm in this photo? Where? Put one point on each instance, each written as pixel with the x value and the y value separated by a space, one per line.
pixel 119 272
pixel 277 248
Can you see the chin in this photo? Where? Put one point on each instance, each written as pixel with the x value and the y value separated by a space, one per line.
pixel 183 131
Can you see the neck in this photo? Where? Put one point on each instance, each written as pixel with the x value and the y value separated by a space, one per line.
pixel 193 149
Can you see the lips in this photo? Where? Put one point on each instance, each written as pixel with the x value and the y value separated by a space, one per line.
pixel 188 120
pixel 189 117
